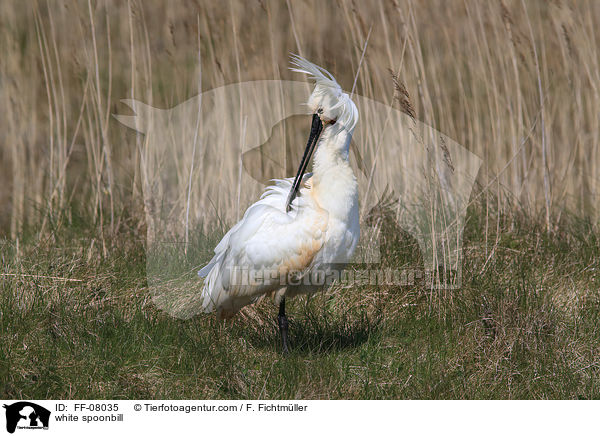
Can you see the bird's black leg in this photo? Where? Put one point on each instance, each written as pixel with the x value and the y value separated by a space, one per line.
pixel 283 326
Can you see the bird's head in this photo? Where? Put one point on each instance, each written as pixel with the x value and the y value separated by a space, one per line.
pixel 327 101
pixel 331 108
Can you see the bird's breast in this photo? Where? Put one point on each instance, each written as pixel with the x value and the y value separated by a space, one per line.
pixel 342 230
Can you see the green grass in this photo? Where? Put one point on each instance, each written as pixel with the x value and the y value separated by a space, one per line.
pixel 524 325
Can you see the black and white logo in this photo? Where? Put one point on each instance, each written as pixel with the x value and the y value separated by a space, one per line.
pixel 26 415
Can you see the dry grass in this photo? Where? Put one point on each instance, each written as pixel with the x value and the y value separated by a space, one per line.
pixel 516 83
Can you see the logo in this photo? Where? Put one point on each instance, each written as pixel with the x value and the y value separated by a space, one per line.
pixel 207 159
pixel 26 415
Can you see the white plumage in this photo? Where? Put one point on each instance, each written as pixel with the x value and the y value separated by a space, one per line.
pixel 268 246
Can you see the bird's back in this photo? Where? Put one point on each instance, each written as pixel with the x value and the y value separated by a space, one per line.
pixel 255 257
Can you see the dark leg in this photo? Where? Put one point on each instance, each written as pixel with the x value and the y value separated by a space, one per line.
pixel 283 326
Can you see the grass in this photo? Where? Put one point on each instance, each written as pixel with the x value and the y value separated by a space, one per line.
pixel 524 325
pixel 514 82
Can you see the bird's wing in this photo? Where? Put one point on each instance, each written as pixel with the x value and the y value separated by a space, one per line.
pixel 263 248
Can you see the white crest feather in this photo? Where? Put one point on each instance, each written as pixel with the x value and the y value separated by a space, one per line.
pixel 320 75
pixel 327 89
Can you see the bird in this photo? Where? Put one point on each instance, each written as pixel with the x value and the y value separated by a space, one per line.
pixel 302 229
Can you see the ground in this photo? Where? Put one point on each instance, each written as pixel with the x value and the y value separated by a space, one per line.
pixel 523 325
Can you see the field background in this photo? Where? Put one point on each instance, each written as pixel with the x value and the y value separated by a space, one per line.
pixel 515 82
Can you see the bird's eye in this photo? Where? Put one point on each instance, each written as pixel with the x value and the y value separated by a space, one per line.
pixel 320 110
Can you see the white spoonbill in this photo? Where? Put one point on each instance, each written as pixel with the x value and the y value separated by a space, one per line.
pixel 301 229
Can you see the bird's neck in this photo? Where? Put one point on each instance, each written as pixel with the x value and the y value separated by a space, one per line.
pixel 332 149
pixel 334 183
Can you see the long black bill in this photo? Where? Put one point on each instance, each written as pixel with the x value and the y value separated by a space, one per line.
pixel 315 132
